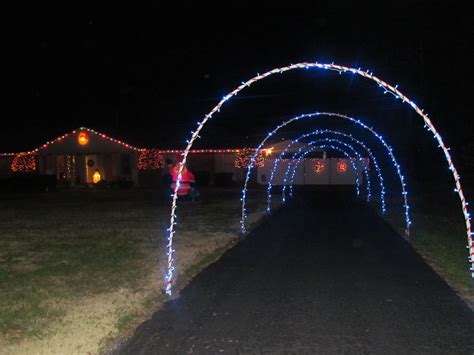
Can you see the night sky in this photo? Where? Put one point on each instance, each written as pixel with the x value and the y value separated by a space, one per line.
pixel 147 74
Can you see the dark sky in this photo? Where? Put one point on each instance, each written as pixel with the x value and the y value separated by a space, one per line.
pixel 146 74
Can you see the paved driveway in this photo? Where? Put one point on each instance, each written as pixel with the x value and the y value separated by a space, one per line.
pixel 323 275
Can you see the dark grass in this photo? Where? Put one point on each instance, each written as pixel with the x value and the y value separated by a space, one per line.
pixel 61 246
pixel 438 232
pixel 65 245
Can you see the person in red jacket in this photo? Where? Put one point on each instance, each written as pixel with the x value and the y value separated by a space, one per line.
pixel 187 189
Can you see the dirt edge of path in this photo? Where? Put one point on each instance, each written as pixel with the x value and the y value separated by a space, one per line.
pixel 113 345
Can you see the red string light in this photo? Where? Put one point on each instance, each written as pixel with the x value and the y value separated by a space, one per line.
pixel 150 159
pixel 83 137
pixel 319 166
pixel 244 156
pixel 23 163
pixel 341 166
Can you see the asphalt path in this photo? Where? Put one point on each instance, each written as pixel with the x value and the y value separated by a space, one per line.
pixel 323 275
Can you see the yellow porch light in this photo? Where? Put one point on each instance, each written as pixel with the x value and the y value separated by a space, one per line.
pixel 96 177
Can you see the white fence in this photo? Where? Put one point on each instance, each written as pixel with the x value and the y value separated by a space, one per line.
pixel 333 171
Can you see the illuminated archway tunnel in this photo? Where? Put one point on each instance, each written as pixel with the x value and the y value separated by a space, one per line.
pixel 308 148
pixel 372 158
pixel 343 148
pixel 324 144
pixel 321 144
pixel 390 89
pixel 324 140
pixel 337 133
pixel 291 169
pixel 331 115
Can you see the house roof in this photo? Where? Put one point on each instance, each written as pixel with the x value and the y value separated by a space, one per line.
pixel 67 137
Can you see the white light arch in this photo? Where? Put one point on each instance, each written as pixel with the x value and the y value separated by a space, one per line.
pixel 370 154
pixel 309 65
pixel 331 115
pixel 324 143
pixel 340 145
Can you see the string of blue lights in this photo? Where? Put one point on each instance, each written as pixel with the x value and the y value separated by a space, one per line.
pixel 333 115
pixel 387 88
pixel 372 158
pixel 339 143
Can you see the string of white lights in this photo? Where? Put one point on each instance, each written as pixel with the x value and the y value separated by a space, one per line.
pixel 352 120
pixel 302 156
pixel 337 142
pixel 393 90
pixel 320 144
pixel 331 115
pixel 317 145
pixel 298 155
pixel 372 157
pixel 298 161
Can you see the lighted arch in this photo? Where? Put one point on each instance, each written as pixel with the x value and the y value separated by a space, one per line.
pixel 324 131
pixel 372 157
pixel 339 143
pixel 297 156
pixel 328 66
pixel 325 145
pixel 328 114
pixel 302 153
pixel 321 144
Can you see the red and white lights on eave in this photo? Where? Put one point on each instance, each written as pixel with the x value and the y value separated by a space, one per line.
pixel 84 136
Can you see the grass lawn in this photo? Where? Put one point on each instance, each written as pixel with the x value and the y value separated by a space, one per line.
pixel 438 233
pixel 79 267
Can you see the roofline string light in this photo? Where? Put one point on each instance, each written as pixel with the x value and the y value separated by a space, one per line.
pixel 81 129
pixel 338 142
pixel 393 90
pixel 197 151
pixel 126 145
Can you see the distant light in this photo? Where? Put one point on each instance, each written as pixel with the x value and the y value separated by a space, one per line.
pixel 83 138
pixel 341 166
pixel 319 166
pixel 96 177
